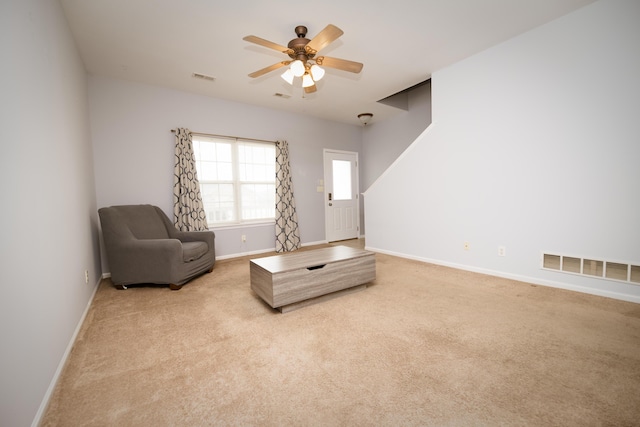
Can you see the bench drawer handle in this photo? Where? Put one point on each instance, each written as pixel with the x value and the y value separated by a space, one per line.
pixel 316 267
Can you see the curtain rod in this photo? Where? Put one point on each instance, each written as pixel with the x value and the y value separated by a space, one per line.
pixel 227 136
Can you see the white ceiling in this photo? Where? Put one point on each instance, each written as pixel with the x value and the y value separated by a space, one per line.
pixel 401 43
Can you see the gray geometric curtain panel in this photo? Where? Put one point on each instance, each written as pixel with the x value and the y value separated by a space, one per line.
pixel 287 233
pixel 188 209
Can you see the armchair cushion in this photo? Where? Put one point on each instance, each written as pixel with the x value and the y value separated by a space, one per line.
pixel 143 246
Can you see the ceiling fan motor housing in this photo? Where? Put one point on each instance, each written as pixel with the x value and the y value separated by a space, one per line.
pixel 298 44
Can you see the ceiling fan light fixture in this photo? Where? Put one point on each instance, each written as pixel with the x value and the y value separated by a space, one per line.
pixel 288 76
pixel 297 68
pixel 305 62
pixel 307 80
pixel 317 72
pixel 365 118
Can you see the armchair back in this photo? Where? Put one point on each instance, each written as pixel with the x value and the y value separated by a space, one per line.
pixel 144 221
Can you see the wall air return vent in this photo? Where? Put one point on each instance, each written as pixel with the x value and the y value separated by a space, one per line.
pixel 610 270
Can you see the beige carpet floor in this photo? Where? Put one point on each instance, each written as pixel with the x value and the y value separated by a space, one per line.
pixel 423 345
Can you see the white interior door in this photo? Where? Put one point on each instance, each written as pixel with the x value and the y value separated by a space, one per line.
pixel 341 195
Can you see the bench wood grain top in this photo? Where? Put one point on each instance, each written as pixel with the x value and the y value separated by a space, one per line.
pixel 305 259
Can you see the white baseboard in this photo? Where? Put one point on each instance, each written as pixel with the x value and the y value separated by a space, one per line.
pixel 319 242
pixel 56 376
pixel 520 278
pixel 262 251
pixel 241 254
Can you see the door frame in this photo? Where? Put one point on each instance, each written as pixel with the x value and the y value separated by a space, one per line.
pixel 326 152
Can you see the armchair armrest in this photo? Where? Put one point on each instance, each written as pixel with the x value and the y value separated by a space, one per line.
pixel 196 236
pixel 206 236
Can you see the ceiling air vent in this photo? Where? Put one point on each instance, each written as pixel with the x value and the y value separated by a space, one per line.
pixel 203 77
pixel 281 95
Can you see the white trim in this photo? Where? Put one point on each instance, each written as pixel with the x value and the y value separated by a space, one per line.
pixel 241 254
pixel 242 225
pixel 520 278
pixel 327 152
pixel 262 251
pixel 320 242
pixel 56 376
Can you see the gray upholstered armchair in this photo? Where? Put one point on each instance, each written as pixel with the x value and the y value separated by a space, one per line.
pixel 143 246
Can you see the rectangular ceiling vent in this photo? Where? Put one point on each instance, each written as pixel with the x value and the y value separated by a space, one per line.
pixel 591 267
pixel 203 77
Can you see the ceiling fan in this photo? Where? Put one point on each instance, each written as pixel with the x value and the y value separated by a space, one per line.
pixel 304 61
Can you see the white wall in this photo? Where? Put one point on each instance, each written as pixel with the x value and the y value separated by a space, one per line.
pixel 49 233
pixel 533 146
pixel 383 142
pixel 134 149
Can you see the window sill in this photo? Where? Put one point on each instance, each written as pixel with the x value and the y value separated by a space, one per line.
pixel 241 225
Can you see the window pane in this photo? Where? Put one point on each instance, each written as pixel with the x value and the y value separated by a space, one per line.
pixel 196 149
pixel 225 171
pixel 342 180
pixel 224 152
pixel 207 171
pixel 244 173
pixel 207 151
pixel 257 162
pixel 218 200
pixel 258 201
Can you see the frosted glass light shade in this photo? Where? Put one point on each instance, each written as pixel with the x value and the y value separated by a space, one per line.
pixel 317 72
pixel 297 68
pixel 365 118
pixel 307 80
pixel 288 76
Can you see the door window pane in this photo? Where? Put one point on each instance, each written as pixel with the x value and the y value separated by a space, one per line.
pixel 342 180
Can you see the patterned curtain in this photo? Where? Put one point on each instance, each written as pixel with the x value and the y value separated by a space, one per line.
pixel 287 234
pixel 188 210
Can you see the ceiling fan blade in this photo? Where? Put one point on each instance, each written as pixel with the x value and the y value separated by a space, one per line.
pixel 267 43
pixel 310 89
pixel 269 69
pixel 323 38
pixel 340 64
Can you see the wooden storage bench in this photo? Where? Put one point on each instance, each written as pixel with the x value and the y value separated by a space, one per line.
pixel 296 279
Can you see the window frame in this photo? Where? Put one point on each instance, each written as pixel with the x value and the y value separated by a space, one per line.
pixel 236 182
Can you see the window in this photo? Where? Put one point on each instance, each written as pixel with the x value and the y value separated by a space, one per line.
pixel 342 189
pixel 237 179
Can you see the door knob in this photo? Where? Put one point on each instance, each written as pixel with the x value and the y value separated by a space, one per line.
pixel 330 204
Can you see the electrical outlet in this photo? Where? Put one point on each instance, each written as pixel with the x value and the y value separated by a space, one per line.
pixel 243 238
pixel 86 276
pixel 502 251
pixel 466 246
